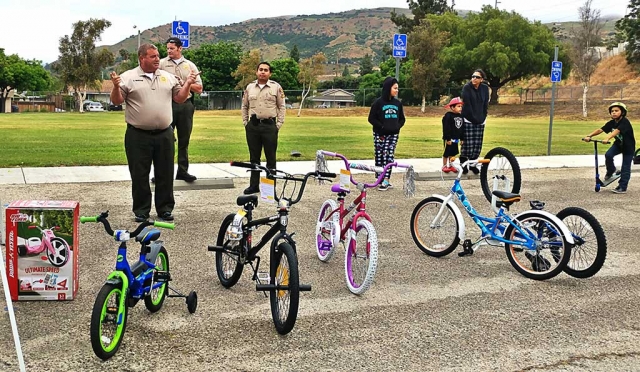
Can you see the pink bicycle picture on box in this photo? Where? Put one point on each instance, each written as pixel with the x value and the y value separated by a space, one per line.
pixel 56 248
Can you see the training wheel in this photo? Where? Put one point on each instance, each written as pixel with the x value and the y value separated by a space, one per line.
pixel 192 302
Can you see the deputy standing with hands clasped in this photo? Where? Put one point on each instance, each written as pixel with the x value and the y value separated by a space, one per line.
pixel 148 93
pixel 263 108
pixel 181 67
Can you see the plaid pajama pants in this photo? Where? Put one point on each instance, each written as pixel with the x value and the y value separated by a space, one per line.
pixel 385 148
pixel 473 136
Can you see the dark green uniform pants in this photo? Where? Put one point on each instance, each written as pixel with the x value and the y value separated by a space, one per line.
pixel 144 148
pixel 263 135
pixel 183 122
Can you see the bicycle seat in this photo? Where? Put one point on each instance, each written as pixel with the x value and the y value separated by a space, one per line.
pixel 146 236
pixel 506 198
pixel 244 199
pixel 336 188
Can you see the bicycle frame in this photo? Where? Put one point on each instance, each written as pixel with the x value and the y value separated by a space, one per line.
pixel 277 232
pixel 360 202
pixel 492 228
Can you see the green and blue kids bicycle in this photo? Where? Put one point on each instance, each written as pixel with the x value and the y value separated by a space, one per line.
pixel 127 284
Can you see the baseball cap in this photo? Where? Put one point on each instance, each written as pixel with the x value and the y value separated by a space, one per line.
pixel 454 101
pixel 174 40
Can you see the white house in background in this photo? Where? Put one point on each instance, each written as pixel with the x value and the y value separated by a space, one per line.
pixel 334 98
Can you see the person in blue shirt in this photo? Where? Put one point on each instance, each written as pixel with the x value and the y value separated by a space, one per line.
pixel 619 127
pixel 387 118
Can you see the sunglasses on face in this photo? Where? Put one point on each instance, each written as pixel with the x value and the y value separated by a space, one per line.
pixel 476 77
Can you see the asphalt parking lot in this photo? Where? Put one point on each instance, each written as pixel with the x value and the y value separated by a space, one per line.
pixel 451 314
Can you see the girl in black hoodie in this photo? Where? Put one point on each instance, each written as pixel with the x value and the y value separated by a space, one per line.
pixel 387 117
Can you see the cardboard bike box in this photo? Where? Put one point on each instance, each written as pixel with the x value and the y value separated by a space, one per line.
pixel 42 249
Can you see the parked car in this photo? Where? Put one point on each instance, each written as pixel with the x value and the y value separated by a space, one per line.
pixel 113 107
pixel 324 105
pixel 288 106
pixel 95 106
pixel 86 104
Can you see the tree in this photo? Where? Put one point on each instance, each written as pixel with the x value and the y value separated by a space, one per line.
pixel 285 71
pixel 424 47
pixel 246 71
pixel 419 9
pixel 629 30
pixel 310 69
pixel 366 65
pixel 20 75
pixel 505 45
pixel 345 72
pixel 584 57
pixel 79 64
pixel 124 54
pixel 217 63
pixel 295 54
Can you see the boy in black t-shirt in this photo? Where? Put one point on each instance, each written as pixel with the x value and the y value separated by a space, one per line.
pixel 625 144
pixel 452 133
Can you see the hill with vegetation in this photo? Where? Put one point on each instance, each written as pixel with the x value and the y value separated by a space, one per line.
pixel 343 36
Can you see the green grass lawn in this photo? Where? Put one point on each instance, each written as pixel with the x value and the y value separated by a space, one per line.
pixel 97 138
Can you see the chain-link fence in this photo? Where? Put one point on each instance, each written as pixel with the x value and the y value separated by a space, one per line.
pixel 342 98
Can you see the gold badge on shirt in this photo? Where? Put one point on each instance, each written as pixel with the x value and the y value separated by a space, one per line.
pixel 163 79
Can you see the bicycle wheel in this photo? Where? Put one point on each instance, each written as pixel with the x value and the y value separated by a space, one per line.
pixel 361 257
pixel 106 334
pixel 154 300
pixel 504 167
pixel 60 254
pixel 435 238
pixel 284 302
pixel 326 230
pixel 551 252
pixel 590 249
pixel 228 266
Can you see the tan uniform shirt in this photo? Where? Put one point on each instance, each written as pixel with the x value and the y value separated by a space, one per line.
pixel 148 100
pixel 181 70
pixel 266 103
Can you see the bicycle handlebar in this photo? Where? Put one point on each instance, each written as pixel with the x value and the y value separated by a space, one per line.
pixel 598 141
pixel 273 173
pixel 381 170
pixel 102 218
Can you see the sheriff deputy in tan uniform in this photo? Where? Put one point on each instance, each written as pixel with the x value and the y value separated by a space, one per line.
pixel 148 93
pixel 181 67
pixel 263 108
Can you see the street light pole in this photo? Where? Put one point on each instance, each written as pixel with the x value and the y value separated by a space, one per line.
pixel 134 26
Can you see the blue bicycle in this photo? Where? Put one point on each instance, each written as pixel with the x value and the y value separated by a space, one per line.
pixel 537 243
pixel 127 284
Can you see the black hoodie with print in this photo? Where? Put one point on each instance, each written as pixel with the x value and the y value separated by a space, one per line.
pixel 386 114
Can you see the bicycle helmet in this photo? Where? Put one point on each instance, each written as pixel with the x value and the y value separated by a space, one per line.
pixel 622 107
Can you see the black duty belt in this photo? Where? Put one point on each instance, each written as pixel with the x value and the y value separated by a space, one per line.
pixel 153 131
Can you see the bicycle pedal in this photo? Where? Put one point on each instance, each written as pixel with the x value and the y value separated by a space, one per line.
pixel 467 248
pixel 264 277
pixel 161 276
pixel 465 252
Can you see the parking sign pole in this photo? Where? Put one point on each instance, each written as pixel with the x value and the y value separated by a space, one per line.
pixel 397 68
pixel 553 98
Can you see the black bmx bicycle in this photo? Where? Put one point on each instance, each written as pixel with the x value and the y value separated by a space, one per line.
pixel 234 247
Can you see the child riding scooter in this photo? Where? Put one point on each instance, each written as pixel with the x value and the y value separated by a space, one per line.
pixel 619 127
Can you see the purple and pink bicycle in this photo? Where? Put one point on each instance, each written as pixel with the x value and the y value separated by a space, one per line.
pixel 357 234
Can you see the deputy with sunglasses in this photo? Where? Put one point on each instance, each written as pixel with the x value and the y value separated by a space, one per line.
pixel 475 96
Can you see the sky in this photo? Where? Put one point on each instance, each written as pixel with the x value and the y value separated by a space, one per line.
pixel 33 28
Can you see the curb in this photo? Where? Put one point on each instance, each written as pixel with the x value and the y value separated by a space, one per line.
pixel 202 184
